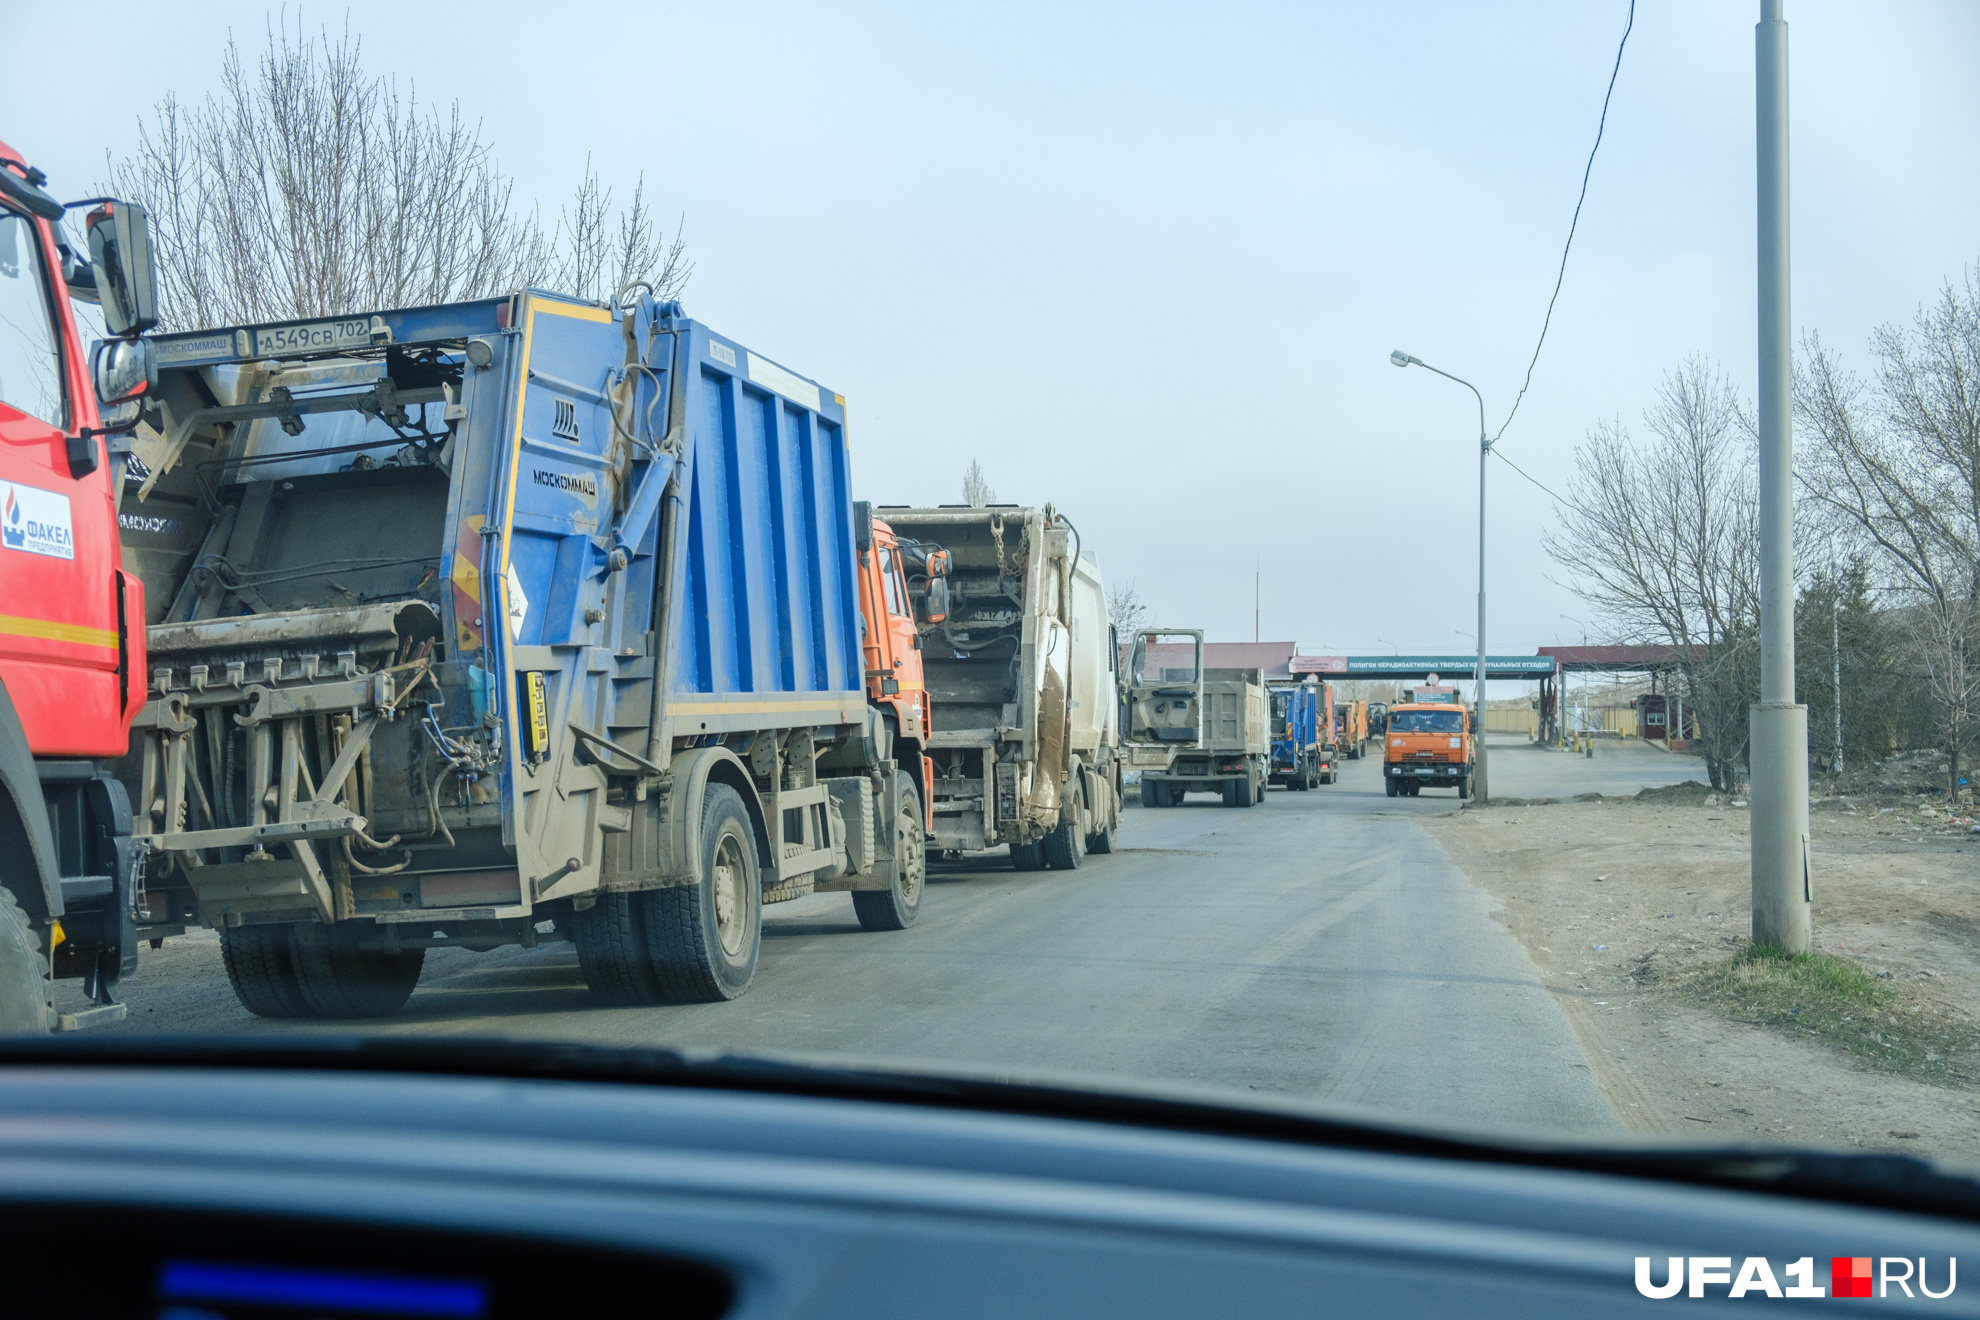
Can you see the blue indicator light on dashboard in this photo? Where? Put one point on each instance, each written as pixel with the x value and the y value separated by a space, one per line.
pixel 331 1290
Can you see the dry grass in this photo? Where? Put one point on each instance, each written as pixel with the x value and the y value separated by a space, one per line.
pixel 1836 1001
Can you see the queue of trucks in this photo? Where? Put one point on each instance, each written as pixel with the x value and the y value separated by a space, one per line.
pixel 523 619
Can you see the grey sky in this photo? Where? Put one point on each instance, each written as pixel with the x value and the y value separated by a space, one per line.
pixel 1148 261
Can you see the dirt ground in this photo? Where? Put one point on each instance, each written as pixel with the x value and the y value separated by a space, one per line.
pixel 1623 902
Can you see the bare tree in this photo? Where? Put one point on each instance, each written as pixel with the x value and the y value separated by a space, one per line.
pixel 1662 542
pixel 1125 609
pixel 307 187
pixel 976 487
pixel 1894 465
pixel 599 253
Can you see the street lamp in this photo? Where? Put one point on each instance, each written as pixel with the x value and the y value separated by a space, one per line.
pixel 1403 359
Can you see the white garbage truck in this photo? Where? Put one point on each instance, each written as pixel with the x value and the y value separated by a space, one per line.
pixel 1023 681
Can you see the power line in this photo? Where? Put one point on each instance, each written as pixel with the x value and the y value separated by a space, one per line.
pixel 1530 477
pixel 1565 248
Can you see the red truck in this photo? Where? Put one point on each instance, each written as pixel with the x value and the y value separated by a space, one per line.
pixel 72 657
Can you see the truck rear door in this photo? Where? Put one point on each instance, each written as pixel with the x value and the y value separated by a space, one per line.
pixel 572 637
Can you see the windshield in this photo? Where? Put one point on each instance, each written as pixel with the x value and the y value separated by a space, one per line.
pixel 515 661
pixel 1426 721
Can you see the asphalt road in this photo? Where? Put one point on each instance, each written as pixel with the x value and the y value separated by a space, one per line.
pixel 1319 945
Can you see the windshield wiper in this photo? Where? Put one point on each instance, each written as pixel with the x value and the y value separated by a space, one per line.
pixel 1895 1182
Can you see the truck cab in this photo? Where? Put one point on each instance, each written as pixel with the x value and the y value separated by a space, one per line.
pixel 72 646
pixel 903 587
pixel 1428 744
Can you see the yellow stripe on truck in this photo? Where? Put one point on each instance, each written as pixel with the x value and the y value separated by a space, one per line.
pixel 47 630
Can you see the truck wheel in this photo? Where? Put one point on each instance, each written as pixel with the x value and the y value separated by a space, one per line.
pixel 1392 787
pixel 1065 847
pixel 261 966
pixel 1237 793
pixel 1028 856
pixel 703 939
pixel 611 951
pixel 1258 791
pixel 896 907
pixel 1464 787
pixel 24 984
pixel 340 980
pixel 1149 793
pixel 1103 843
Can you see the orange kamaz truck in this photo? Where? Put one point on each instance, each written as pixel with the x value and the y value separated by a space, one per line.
pixel 1428 743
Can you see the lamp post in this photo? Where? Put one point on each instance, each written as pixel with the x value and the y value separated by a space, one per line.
pixel 1782 910
pixel 1403 359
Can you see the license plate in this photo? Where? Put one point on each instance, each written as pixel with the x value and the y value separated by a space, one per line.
pixel 313 337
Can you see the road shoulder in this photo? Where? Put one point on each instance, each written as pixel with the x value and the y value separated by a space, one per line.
pixel 1613 900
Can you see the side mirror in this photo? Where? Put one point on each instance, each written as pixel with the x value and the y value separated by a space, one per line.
pixel 862 525
pixel 126 272
pixel 938 563
pixel 123 369
pixel 935 605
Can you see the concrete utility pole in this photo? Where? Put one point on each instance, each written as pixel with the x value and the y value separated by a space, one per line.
pixel 1402 359
pixel 1782 901
pixel 1835 656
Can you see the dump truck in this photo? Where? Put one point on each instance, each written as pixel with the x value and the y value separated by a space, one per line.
pixel 1351 729
pixel 72 647
pixel 1161 701
pixel 1297 754
pixel 1428 744
pixel 1025 677
pixel 1233 756
pixel 510 620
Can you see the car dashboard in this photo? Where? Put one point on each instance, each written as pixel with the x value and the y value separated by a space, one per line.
pixel 195 1192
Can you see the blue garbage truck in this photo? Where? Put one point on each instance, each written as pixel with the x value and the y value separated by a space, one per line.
pixel 1300 719
pixel 505 621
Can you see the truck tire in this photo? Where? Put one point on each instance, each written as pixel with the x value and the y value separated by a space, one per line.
pixel 1101 843
pixel 261 966
pixel 1259 784
pixel 1065 847
pixel 1392 786
pixel 611 951
pixel 1464 787
pixel 24 983
pixel 340 980
pixel 1028 856
pixel 896 907
pixel 1229 789
pixel 1149 794
pixel 703 939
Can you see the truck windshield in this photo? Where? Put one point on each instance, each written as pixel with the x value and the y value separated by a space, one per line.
pixel 30 362
pixel 1426 721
